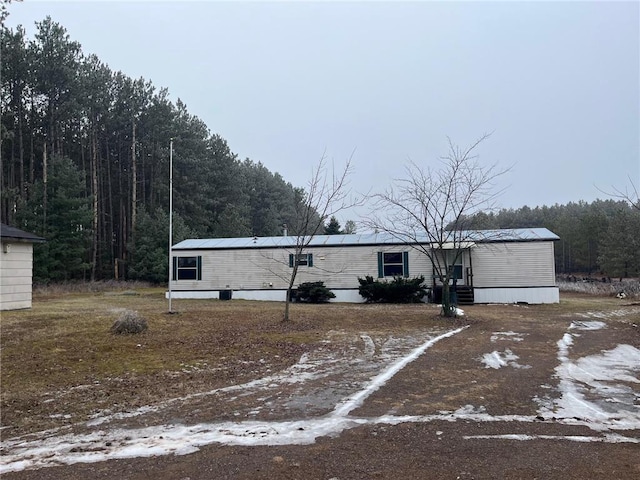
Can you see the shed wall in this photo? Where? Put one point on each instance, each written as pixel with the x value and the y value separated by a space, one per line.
pixel 15 275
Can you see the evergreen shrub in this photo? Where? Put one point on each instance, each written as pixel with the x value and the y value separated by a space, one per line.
pixel 399 290
pixel 314 292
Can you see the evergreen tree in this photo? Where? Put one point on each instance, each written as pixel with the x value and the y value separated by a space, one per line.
pixel 620 251
pixel 333 227
pixel 115 131
pixel 150 252
pixel 67 227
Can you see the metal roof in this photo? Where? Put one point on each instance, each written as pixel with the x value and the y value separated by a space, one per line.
pixel 479 236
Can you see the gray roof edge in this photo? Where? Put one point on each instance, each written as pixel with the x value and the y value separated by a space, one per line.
pixel 357 239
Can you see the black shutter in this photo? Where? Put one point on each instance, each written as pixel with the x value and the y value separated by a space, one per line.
pixel 405 264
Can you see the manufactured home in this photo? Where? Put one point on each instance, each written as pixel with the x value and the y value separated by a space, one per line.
pixel 496 266
pixel 16 267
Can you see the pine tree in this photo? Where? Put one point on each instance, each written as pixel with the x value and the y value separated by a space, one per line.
pixel 333 227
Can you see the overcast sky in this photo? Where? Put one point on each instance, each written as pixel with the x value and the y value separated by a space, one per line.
pixel 556 82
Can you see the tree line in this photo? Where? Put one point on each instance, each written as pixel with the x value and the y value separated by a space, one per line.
pixel 598 239
pixel 85 164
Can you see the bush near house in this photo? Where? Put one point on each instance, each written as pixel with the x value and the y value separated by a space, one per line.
pixel 399 290
pixel 314 292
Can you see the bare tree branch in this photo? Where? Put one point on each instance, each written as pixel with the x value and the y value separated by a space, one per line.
pixel 327 194
pixel 426 209
pixel 630 194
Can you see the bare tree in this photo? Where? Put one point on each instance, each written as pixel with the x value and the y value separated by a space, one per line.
pixel 327 194
pixel 427 209
pixel 630 194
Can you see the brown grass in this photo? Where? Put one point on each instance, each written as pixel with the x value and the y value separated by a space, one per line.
pixel 60 356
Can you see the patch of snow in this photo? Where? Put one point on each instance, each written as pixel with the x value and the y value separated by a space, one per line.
pixel 369 345
pixel 594 325
pixel 497 360
pixel 513 336
pixel 572 438
pixel 458 312
pixel 563 346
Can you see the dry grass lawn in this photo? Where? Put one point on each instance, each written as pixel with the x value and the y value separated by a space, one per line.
pixel 61 365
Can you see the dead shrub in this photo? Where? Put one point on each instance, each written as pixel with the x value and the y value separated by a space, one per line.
pixel 629 286
pixel 129 323
pixel 61 288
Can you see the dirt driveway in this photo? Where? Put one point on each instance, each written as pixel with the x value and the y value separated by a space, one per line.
pixel 519 396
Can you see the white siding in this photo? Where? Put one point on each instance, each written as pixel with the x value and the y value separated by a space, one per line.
pixel 503 272
pixel 513 264
pixel 534 295
pixel 15 275
pixel 266 269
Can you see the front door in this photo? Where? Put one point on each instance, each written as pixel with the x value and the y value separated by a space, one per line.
pixel 457 266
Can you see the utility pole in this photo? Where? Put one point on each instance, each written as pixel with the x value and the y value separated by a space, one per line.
pixel 170 217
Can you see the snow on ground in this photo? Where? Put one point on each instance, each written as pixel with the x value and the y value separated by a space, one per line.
pixel 37 451
pixel 364 357
pixel 607 438
pixel 510 336
pixel 497 360
pixel 595 391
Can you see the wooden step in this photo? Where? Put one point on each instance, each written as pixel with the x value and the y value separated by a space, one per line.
pixel 465 295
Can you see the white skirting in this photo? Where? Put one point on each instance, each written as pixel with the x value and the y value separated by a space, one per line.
pixel 532 295
pixel 345 296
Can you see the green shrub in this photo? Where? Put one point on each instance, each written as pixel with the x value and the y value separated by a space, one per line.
pixel 314 292
pixel 129 323
pixel 399 290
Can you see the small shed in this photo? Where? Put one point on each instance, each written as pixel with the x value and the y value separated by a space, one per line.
pixel 16 267
pixel 496 266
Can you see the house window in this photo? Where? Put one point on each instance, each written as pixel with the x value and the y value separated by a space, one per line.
pixel 187 268
pixel 301 259
pixel 393 264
